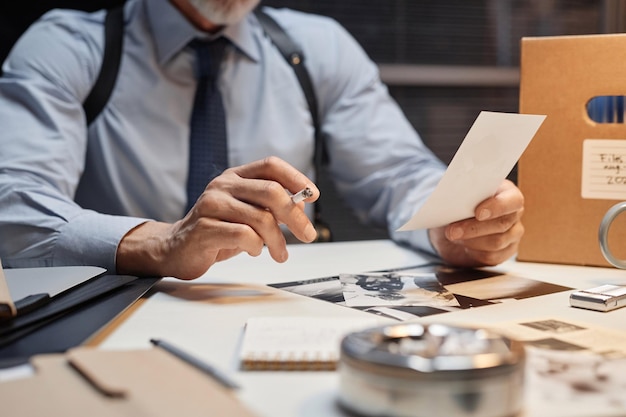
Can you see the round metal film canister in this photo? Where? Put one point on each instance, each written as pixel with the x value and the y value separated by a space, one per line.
pixel 431 370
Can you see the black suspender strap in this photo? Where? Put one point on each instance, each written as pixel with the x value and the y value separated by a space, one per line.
pixel 295 58
pixel 113 43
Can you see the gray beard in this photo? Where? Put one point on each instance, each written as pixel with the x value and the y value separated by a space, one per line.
pixel 224 12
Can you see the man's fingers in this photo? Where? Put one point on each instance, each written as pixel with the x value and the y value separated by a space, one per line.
pixel 277 170
pixel 258 196
pixel 472 228
pixel 491 237
pixel 261 221
pixel 270 193
pixel 508 199
pixel 495 241
pixel 212 235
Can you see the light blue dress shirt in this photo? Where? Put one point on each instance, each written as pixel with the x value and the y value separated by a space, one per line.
pixel 68 193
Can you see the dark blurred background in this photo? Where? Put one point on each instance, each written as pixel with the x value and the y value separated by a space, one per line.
pixel 444 61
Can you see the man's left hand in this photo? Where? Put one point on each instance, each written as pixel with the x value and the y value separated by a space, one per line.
pixel 489 238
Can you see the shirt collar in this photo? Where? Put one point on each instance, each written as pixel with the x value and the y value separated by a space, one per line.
pixel 172 31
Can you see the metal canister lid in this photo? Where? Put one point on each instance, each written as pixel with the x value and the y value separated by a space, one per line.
pixel 419 362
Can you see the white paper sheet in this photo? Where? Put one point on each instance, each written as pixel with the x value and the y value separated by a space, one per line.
pixel 488 153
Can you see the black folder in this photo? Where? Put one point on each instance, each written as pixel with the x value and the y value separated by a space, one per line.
pixel 50 325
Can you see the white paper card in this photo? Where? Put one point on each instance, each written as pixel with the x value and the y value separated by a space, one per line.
pixel 23 282
pixel 487 155
pixel 604 169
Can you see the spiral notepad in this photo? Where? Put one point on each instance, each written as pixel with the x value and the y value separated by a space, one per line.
pixel 296 343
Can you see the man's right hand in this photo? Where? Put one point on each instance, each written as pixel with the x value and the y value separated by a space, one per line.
pixel 239 211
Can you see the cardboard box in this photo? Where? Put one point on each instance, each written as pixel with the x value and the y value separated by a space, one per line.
pixel 566 200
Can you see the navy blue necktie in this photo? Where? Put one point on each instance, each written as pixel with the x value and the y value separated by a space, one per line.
pixel 208 152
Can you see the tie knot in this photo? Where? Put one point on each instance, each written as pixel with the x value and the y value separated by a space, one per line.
pixel 209 56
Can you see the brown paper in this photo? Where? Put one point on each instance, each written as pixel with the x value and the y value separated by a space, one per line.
pixel 136 383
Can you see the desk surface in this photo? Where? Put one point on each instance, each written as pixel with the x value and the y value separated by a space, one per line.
pixel 209 323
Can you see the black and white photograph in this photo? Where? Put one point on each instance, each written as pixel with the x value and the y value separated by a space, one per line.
pixel 419 290
pixel 395 289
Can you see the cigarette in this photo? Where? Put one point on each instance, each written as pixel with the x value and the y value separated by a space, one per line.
pixel 302 195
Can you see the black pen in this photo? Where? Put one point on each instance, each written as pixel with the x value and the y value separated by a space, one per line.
pixel 197 363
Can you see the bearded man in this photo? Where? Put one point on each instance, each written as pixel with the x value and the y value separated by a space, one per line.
pixel 114 193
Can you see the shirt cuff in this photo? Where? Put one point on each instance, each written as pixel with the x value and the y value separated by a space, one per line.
pixel 417 239
pixel 92 239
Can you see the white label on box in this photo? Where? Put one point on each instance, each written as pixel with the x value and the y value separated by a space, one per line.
pixel 604 169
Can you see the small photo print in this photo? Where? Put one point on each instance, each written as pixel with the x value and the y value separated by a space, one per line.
pixel 555 344
pixel 553 326
pixel 327 289
pixel 395 289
